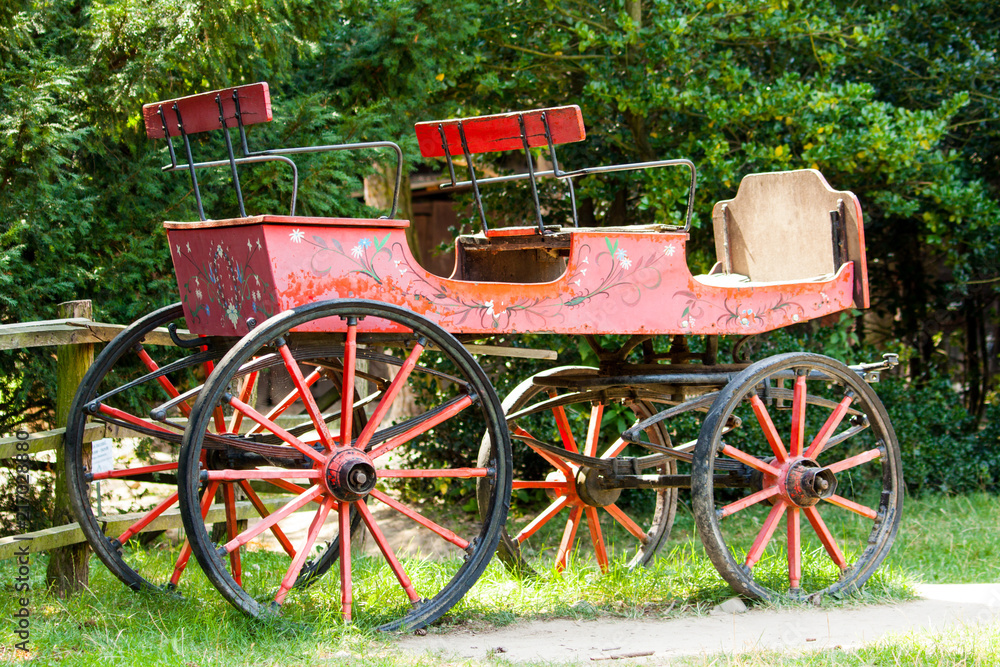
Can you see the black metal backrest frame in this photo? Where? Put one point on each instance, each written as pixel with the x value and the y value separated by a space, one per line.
pixel 249 156
pixel 555 172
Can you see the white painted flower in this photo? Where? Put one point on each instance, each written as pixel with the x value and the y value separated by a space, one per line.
pixel 489 308
pixel 189 247
pixel 684 324
pixel 218 250
pixel 297 235
pixel 583 272
pixel 197 281
pixel 795 317
pixel 259 246
pixel 621 254
pixel 178 249
pixel 586 260
pixel 669 249
pixel 358 250
pixel 577 282
pixel 249 245
pixel 232 314
pixel 626 262
pixel 197 293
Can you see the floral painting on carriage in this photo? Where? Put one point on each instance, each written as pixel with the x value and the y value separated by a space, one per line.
pixel 224 278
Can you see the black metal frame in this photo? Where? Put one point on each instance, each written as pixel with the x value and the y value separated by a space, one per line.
pixel 249 156
pixel 555 172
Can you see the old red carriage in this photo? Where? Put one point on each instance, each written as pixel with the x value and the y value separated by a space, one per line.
pixel 313 362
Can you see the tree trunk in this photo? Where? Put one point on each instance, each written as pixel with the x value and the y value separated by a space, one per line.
pixel 634 9
pixel 69 568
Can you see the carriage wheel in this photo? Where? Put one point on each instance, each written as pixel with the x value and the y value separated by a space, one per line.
pixel 386 474
pixel 822 485
pixel 577 517
pixel 129 514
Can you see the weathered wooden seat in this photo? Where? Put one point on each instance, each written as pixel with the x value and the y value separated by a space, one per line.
pixel 788 227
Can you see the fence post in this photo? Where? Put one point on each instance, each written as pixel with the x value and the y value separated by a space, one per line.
pixel 68 569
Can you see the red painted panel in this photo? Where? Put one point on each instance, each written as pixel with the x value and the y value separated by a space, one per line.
pixel 501 132
pixel 200 113
pixel 626 283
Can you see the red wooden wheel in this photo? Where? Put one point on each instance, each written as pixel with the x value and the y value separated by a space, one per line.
pixel 814 479
pixel 559 508
pixel 336 471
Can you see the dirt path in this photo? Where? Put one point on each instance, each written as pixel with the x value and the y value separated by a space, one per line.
pixel 581 641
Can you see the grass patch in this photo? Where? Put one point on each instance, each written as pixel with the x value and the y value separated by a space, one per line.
pixel 941 540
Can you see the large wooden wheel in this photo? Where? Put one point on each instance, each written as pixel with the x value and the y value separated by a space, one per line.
pixel 334 473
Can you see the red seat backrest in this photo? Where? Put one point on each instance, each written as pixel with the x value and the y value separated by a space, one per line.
pixel 200 113
pixel 501 132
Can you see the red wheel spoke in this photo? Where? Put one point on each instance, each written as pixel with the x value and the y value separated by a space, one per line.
pixel 262 510
pixel 764 536
pixel 229 502
pixel 519 484
pixel 147 519
pixel 245 393
pixel 293 570
pixel 798 419
pixel 770 432
pixel 594 429
pixel 230 475
pixel 568 538
pixel 390 395
pixel 277 430
pixel 751 461
pixel 132 419
pixel 307 398
pixel 346 587
pixel 553 460
pixel 853 461
pixel 840 501
pixel 825 537
pixel 163 380
pixel 449 410
pixel 431 472
pixel 288 486
pixel 752 499
pixel 629 525
pixel 600 551
pixel 390 556
pixel 185 555
pixel 562 423
pixel 133 472
pixel 217 415
pixel 284 403
pixel 614 450
pixel 832 422
pixel 421 519
pixel 794 549
pixel 273 518
pixel 347 390
pixel 542 518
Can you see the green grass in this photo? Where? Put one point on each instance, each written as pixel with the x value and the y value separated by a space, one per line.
pixel 941 540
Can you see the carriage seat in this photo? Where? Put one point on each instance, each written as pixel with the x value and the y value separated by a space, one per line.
pixel 788 227
pixel 230 111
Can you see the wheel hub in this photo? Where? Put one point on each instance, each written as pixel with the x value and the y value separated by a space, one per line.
pixel 804 482
pixel 349 474
pixel 591 489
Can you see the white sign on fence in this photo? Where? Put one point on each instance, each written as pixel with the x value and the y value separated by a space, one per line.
pixel 102 457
